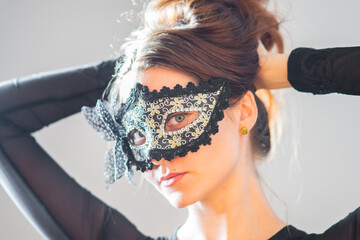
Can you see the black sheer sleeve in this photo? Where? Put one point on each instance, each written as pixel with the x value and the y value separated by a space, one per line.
pixel 325 70
pixel 58 206
pixel 347 228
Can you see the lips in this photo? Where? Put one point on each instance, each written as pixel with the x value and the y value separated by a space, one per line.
pixel 171 175
pixel 171 179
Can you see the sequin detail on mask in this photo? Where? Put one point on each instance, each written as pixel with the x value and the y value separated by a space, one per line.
pixel 147 113
pixel 150 119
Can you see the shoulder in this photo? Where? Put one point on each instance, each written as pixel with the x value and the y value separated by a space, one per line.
pixel 348 228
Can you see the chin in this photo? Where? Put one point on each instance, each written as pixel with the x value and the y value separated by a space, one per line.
pixel 179 200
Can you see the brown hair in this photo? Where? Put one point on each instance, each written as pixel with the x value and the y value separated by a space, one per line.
pixel 205 39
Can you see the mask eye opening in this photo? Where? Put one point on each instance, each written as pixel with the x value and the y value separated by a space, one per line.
pixel 179 120
pixel 136 137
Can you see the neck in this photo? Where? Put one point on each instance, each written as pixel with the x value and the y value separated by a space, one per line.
pixel 238 209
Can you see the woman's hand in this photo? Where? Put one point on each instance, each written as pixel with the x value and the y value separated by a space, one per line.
pixel 273 70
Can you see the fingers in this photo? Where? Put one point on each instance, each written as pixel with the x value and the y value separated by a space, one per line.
pixel 261 49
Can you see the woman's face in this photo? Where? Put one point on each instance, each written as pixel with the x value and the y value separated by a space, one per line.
pixel 203 172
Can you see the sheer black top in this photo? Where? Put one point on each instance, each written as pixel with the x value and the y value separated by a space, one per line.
pixel 59 206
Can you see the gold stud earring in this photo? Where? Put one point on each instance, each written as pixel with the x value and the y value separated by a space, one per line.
pixel 244 131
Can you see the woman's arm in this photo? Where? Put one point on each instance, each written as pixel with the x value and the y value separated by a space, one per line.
pixel 273 71
pixel 309 70
pixel 59 207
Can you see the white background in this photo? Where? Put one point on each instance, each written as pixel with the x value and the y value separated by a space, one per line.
pixel 315 170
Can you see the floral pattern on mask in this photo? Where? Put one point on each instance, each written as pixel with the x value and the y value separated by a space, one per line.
pixel 145 114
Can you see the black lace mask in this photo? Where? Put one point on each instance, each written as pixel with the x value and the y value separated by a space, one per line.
pixel 156 125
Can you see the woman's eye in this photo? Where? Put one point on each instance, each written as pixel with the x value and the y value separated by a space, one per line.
pixel 136 138
pixel 179 120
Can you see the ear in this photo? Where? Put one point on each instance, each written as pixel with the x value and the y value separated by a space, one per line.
pixel 248 111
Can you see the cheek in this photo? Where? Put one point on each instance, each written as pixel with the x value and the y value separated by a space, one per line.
pixel 219 159
pixel 229 138
pixel 225 144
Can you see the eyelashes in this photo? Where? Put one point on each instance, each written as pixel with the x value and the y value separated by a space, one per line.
pixel 174 122
pixel 178 120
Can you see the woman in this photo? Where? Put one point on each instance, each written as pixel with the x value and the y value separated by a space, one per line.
pixel 226 176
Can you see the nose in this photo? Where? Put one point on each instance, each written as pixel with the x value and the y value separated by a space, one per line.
pixel 162 161
pixel 154 166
